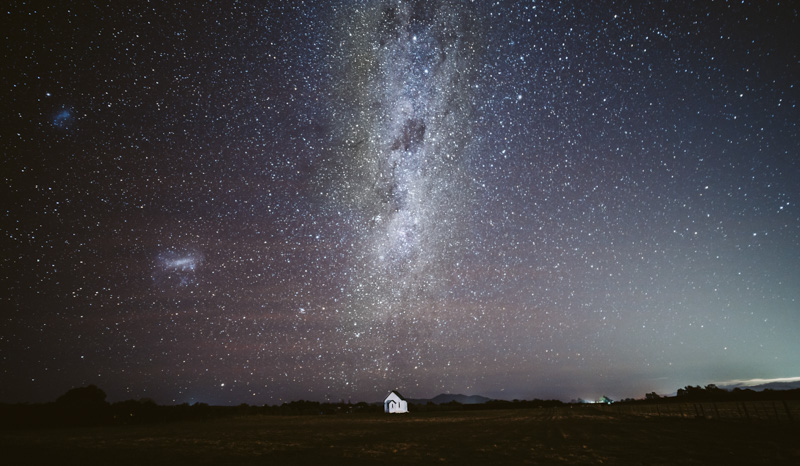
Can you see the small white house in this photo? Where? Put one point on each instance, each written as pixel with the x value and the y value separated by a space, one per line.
pixel 395 403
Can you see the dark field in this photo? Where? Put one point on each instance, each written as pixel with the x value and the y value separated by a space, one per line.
pixel 577 435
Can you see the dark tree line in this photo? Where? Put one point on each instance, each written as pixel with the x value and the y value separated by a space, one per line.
pixel 491 404
pixel 87 406
pixel 713 393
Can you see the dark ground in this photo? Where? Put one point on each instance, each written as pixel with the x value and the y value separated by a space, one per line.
pixel 566 435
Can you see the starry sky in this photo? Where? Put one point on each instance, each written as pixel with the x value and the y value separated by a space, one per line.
pixel 257 202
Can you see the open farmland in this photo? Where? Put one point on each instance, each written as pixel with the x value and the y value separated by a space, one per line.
pixel 569 435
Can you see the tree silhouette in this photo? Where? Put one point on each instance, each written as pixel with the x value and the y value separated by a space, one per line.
pixel 83 406
pixel 83 396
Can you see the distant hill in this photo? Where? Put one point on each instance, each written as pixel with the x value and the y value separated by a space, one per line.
pixel 766 386
pixel 447 398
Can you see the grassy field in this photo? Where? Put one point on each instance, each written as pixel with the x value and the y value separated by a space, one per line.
pixel 537 436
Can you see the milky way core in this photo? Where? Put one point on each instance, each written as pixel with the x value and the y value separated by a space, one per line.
pixel 405 112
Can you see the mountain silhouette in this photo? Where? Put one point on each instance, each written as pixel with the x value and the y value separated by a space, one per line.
pixel 448 398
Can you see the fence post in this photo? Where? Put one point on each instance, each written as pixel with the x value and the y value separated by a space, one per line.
pixel 747 415
pixel 716 410
pixel 788 413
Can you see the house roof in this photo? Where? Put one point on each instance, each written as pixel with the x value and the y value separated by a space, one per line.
pixel 398 394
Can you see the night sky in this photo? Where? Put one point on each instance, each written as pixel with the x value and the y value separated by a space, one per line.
pixel 259 202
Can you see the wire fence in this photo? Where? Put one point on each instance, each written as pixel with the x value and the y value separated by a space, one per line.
pixel 779 410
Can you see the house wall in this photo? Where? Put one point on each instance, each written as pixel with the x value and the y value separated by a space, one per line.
pixel 392 404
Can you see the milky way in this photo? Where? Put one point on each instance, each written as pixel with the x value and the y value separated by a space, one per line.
pixel 404 111
pixel 233 202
